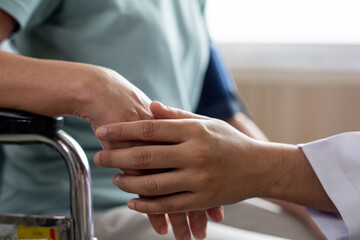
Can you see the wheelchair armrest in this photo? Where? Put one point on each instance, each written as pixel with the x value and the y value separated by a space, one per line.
pixel 20 122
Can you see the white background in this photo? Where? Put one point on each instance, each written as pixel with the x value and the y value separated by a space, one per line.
pixel 285 21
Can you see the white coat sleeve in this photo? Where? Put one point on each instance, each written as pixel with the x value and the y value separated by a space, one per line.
pixel 336 162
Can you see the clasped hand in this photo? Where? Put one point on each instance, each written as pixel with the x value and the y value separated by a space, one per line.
pixel 139 167
pixel 193 163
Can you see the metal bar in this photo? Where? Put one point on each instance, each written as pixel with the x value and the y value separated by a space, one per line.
pixel 80 177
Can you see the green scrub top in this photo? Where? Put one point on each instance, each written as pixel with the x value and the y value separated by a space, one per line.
pixel 161 46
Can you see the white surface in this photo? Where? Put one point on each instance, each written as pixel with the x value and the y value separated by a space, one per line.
pixel 248 215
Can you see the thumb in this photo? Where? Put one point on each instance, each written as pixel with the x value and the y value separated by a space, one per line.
pixel 163 112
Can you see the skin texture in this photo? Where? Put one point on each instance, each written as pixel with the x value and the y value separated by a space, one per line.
pixel 96 94
pixel 226 165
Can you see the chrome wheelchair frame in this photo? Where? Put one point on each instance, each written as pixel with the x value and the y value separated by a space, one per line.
pixel 18 127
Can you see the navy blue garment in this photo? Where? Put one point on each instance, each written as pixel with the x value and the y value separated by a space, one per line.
pixel 218 97
pixel 2 160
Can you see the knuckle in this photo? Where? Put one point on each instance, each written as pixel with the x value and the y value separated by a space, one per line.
pixel 146 115
pixel 168 206
pixel 151 186
pixel 202 156
pixel 106 159
pixel 145 208
pixel 180 113
pixel 141 158
pixel 199 128
pixel 115 132
pixel 131 114
pixel 207 179
pixel 148 129
pixel 204 181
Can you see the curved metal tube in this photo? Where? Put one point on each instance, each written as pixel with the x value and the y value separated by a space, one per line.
pixel 80 177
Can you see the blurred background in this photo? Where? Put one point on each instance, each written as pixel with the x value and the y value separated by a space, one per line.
pixel 297 67
pixel 296 63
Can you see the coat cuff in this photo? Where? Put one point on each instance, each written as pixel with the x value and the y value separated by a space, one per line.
pixel 336 162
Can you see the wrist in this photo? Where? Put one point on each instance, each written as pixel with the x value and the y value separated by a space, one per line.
pixel 259 166
pixel 88 89
pixel 282 166
pixel 292 176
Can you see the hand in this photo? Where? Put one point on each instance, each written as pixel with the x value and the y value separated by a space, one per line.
pixel 117 100
pixel 181 228
pixel 111 98
pixel 202 153
pixel 197 219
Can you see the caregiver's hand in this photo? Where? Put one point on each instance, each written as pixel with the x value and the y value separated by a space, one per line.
pixel 206 170
pixel 197 219
pixel 209 163
pixel 120 101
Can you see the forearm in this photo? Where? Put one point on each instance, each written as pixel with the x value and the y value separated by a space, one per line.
pixel 241 122
pixel 44 86
pixel 41 86
pixel 291 178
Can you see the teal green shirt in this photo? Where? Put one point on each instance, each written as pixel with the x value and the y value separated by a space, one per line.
pixel 161 46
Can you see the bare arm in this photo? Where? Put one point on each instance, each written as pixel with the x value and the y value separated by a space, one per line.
pixel 244 124
pixel 54 88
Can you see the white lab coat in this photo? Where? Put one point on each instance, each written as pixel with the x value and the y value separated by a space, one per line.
pixel 336 162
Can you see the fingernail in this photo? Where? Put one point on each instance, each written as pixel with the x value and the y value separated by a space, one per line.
pixel 163 106
pixel 187 237
pixel 116 178
pixel 97 158
pixel 163 230
pixel 201 235
pixel 101 132
pixel 220 215
pixel 131 205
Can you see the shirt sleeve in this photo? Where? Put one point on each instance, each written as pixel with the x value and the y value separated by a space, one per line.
pixel 27 12
pixel 336 162
pixel 20 10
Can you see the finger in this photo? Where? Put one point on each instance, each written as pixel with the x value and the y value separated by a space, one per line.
pixel 153 185
pixel 179 202
pixel 146 130
pixel 147 157
pixel 133 172
pixel 198 223
pixel 124 144
pixel 159 223
pixel 180 225
pixel 163 112
pixel 216 213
